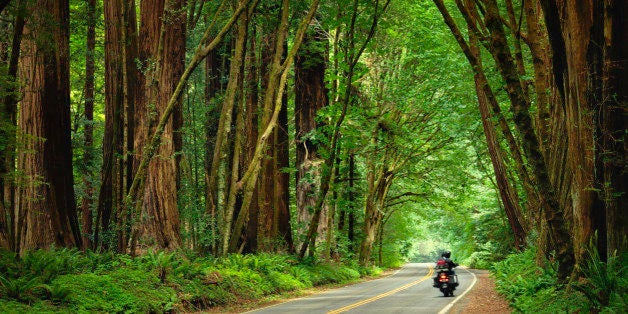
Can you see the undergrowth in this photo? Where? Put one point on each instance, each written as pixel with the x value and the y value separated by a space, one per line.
pixel 68 280
pixel 601 288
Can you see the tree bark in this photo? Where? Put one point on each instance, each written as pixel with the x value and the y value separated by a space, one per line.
pixel 282 230
pixel 352 219
pixel 310 96
pixel 251 90
pixel 507 192
pixel 612 149
pixel 47 208
pixel 133 201
pixel 593 88
pixel 229 109
pixel 8 120
pixel 379 182
pixel 216 65
pixel 120 92
pixel 273 101
pixel 86 205
pixel 520 105
pixel 162 42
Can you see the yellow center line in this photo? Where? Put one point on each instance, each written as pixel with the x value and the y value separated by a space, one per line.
pixel 383 295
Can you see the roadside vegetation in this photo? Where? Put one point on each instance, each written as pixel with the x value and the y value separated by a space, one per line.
pixel 67 280
pixel 531 288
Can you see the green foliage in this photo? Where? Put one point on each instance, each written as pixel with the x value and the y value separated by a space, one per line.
pixel 605 284
pixel 163 262
pixel 69 280
pixel 47 265
pixel 40 307
pixel 124 290
pixel 530 288
pixel 285 282
pixel 20 288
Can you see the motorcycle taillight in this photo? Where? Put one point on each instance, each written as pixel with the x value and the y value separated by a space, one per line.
pixel 443 278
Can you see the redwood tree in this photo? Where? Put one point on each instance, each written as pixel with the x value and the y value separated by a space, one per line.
pixel 589 45
pixel 47 208
pixel 120 90
pixel 162 54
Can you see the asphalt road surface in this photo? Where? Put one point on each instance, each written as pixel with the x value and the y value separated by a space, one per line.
pixel 409 290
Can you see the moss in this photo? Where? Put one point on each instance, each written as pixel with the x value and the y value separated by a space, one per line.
pixel 121 291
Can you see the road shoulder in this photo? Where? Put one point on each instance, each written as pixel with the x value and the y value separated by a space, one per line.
pixel 483 298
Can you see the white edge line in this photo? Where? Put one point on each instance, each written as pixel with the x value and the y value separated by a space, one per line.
pixel 303 297
pixel 451 304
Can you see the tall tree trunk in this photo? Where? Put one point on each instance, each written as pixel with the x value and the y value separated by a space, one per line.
pixel 273 102
pixel 133 201
pixel 8 123
pixel 472 17
pixel 507 192
pixel 251 90
pixel 351 224
pixel 273 232
pixel 86 205
pixel 229 109
pixel 539 49
pixel 47 208
pixel 612 149
pixel 310 96
pixel 162 42
pixel 520 104
pixel 120 91
pixel 352 58
pixel 132 88
pixel 216 65
pixel 379 182
pixel 592 79
pixel 550 121
pixel 281 228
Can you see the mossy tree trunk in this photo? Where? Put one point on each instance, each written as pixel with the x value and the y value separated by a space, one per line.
pixel 272 105
pixel 507 191
pixel 310 96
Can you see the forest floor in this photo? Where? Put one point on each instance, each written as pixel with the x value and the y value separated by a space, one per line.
pixel 483 298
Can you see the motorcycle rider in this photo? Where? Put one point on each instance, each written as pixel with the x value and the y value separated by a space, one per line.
pixel 445 260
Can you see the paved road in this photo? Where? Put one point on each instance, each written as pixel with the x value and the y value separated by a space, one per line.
pixel 407 291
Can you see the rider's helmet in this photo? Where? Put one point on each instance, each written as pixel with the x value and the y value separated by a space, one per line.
pixel 446 254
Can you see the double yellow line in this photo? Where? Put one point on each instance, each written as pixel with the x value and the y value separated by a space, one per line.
pixel 383 295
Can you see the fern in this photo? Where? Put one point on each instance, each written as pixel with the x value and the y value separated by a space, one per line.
pixel 163 262
pixel 602 279
pixel 19 288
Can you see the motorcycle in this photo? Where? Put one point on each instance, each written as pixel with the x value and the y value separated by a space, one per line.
pixel 445 281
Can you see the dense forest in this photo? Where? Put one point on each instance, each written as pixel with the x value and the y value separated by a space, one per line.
pixel 367 132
